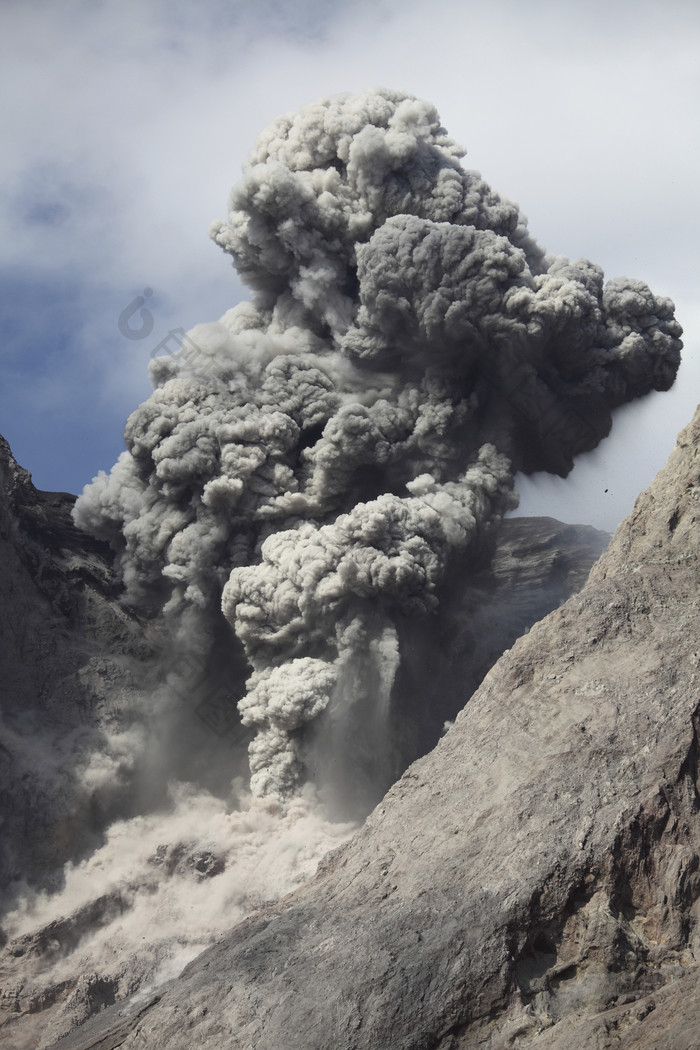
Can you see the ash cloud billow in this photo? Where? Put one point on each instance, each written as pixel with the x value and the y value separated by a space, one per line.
pixel 319 462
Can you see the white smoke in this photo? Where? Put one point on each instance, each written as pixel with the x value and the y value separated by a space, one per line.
pixel 156 893
pixel 321 458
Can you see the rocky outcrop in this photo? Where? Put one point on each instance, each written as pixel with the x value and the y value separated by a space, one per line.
pixel 532 882
pixel 64 679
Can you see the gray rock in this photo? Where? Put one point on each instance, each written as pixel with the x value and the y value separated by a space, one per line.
pixel 535 879
pixel 76 665
pixel 533 566
pixel 537 563
pixel 68 650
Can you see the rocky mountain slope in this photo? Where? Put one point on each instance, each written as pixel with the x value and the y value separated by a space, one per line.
pixel 65 646
pixel 534 880
pixel 78 670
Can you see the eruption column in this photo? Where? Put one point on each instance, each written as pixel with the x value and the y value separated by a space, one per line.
pixel 322 458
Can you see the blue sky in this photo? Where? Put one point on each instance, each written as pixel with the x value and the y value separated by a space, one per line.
pixel 126 124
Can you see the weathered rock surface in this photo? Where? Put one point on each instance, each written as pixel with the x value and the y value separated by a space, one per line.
pixel 75 667
pixel 535 880
pixel 537 564
pixel 64 678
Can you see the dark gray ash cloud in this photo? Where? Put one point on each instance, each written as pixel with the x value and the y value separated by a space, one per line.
pixel 322 458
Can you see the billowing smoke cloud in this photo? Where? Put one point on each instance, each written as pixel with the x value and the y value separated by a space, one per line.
pixel 318 462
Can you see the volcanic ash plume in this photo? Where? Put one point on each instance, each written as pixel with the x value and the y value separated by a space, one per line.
pixel 317 462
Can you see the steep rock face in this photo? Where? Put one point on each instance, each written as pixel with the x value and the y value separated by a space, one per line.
pixel 64 638
pixel 535 880
pixel 535 565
